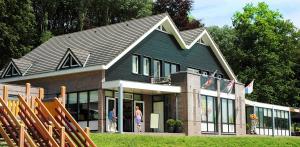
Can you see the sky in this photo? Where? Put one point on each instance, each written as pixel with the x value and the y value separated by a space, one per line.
pixel 220 12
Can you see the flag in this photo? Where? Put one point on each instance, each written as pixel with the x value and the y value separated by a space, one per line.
pixel 229 86
pixel 249 88
pixel 209 81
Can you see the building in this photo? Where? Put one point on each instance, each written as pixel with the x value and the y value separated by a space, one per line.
pixel 144 62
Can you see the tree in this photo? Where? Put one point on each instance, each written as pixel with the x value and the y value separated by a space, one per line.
pixel 225 37
pixel 67 16
pixel 179 12
pixel 265 46
pixel 17 33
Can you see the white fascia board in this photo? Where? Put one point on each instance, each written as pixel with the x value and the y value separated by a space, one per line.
pixel 219 55
pixel 56 73
pixel 142 86
pixel 265 105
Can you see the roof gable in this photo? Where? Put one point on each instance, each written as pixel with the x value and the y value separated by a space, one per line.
pixel 106 45
pixel 70 61
pixel 11 70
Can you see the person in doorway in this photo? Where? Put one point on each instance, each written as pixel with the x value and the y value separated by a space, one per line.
pixel 138 118
pixel 112 120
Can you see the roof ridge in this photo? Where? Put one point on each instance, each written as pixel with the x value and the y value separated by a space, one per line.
pixel 200 28
pixel 109 25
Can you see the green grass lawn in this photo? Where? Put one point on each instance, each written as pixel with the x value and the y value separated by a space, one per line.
pixel 172 141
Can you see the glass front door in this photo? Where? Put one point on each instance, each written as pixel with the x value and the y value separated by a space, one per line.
pixel 129 124
pixel 141 105
pixel 127 115
pixel 158 108
pixel 110 105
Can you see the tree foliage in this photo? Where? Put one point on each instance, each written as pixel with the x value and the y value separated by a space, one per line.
pixel 179 12
pixel 66 16
pixel 25 24
pixel 17 33
pixel 262 46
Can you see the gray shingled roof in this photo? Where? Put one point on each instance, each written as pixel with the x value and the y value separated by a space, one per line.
pixel 102 43
pixel 22 64
pixel 190 35
pixel 97 46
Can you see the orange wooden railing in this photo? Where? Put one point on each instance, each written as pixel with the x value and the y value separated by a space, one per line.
pixel 15 128
pixel 76 133
pixel 49 119
pixel 29 121
pixel 32 121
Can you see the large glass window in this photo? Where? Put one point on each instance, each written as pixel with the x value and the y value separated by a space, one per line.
pixel 146 67
pixel 157 68
pixel 72 105
pixel 135 64
pixel 228 117
pixel 83 106
pixel 265 122
pixel 208 114
pixel 93 106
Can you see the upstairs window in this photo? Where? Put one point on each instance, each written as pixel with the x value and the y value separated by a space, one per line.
pixel 135 64
pixel 11 71
pixel 70 62
pixel 157 68
pixel 146 67
pixel 170 68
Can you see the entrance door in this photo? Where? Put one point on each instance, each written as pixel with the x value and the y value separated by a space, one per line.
pixel 141 105
pixel 158 108
pixel 110 105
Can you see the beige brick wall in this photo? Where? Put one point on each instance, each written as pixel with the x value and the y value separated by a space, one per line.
pixel 240 109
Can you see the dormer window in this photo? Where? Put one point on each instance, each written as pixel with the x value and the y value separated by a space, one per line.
pixel 11 71
pixel 161 28
pixel 201 41
pixel 69 61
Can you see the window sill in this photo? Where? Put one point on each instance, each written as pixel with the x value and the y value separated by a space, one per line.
pixel 211 133
pixel 228 133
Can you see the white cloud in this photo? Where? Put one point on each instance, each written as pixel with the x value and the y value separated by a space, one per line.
pixel 219 12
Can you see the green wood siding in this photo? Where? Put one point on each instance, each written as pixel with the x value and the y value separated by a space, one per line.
pixel 164 47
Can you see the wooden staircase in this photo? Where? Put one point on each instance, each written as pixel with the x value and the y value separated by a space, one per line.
pixel 64 118
pixel 28 122
pixel 12 130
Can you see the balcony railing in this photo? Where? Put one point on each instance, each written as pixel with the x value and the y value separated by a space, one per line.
pixel 206 84
pixel 161 80
pixel 210 83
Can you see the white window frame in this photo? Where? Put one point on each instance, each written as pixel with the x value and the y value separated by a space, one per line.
pixel 159 68
pixel 135 64
pixel 146 66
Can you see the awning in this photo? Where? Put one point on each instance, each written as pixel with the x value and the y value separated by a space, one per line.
pixel 141 88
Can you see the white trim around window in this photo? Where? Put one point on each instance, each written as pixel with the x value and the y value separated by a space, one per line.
pixel 135 64
pixel 146 66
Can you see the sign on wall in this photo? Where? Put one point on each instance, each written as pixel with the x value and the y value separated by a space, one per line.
pixel 154 121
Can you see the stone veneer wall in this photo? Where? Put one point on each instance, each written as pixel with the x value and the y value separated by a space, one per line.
pixel 189 104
